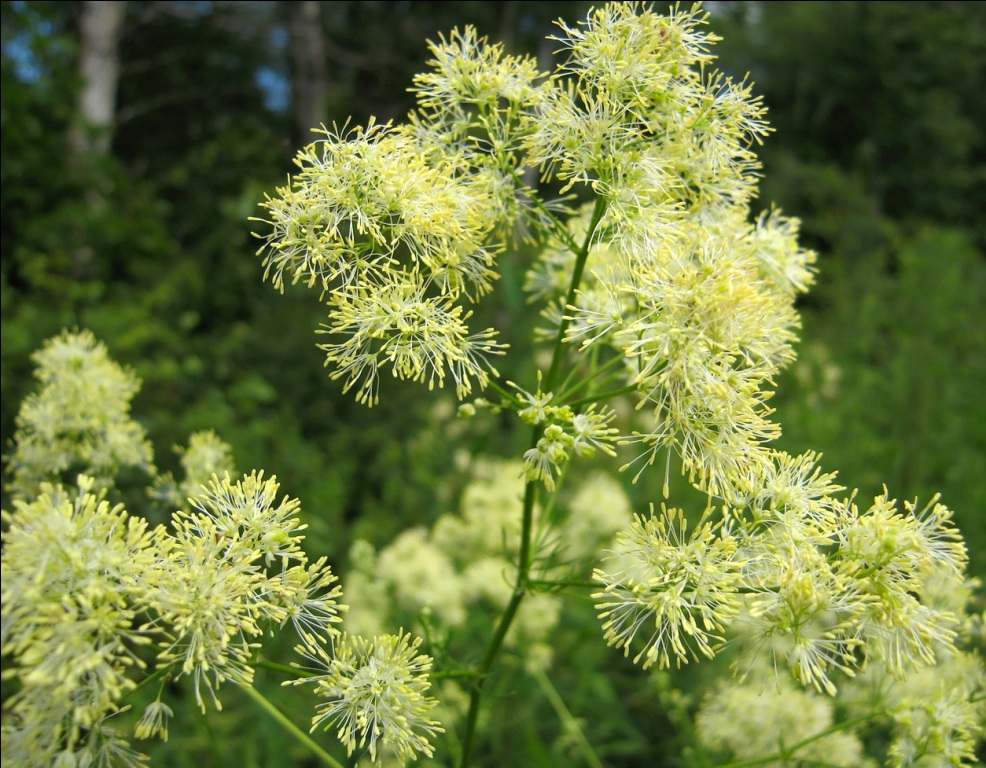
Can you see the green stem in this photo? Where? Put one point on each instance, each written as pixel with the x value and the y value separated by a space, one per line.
pixel 284 668
pixel 786 753
pixel 580 259
pixel 527 524
pixel 158 674
pixel 585 381
pixel 291 728
pixel 575 404
pixel 507 397
pixel 520 588
pixel 551 583
pixel 572 725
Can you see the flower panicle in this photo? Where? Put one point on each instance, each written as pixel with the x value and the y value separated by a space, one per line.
pixel 677 591
pixel 375 694
pixel 233 566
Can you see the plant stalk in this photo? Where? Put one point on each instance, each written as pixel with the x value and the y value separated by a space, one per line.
pixel 524 558
pixel 265 704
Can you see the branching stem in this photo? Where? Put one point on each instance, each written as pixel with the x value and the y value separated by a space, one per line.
pixel 524 558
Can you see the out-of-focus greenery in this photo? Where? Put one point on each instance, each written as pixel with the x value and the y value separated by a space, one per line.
pixel 879 149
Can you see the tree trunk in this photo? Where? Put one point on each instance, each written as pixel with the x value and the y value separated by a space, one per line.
pixel 310 80
pixel 100 26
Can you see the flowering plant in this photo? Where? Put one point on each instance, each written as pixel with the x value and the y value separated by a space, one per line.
pixel 630 170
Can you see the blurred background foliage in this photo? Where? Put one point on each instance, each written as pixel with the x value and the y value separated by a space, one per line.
pixel 137 228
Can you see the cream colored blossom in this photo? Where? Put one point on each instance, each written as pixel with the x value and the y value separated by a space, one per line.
pixel 216 594
pixel 154 721
pixel 635 89
pixel 78 421
pixel 803 617
pixel 933 716
pixel 399 326
pixel 890 556
pixel 747 721
pixel 75 580
pixel 673 592
pixel 397 234
pixel 546 459
pixel 375 695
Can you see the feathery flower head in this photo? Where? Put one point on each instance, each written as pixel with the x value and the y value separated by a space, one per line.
pixel 940 730
pixel 79 420
pixel 249 513
pixel 795 487
pixel 783 262
pixel 703 347
pixel 468 70
pixel 676 590
pixel 891 556
pixel 375 694
pixel 802 615
pixel 371 201
pixel 537 408
pixel 398 230
pixel 73 582
pixel 209 603
pixel 419 336
pixel 628 50
pixel 307 595
pixel 591 430
pixel 218 590
pixel 636 113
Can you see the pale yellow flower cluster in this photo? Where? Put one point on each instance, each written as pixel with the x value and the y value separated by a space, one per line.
pixel 397 236
pixel 74 581
pixel 677 591
pixel 696 300
pixel 780 725
pixel 937 717
pixel 637 117
pixel 658 284
pixel 659 288
pixel 932 717
pixel 565 433
pixel 92 597
pixel 375 693
pixel 703 323
pixel 812 582
pixel 219 589
pixel 78 421
pixel 95 602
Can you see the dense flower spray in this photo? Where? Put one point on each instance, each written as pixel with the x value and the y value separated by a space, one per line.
pixel 658 285
pixel 78 420
pixel 95 601
pixel 630 170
